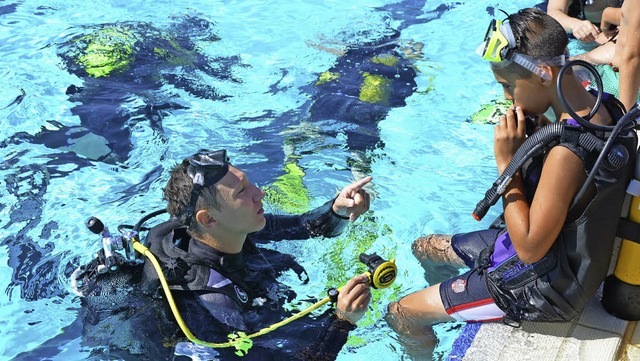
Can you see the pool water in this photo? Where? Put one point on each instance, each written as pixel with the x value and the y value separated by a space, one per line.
pixel 82 134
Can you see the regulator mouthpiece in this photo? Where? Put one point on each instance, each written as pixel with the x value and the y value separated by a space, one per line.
pixel 381 273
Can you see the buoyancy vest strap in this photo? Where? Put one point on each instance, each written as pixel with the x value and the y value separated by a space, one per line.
pixel 545 138
pixel 628 230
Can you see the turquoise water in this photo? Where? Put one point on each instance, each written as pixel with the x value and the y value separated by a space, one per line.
pixel 430 167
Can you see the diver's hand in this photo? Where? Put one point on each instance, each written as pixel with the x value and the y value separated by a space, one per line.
pixel 353 200
pixel 610 21
pixel 354 299
pixel 585 30
pixel 508 136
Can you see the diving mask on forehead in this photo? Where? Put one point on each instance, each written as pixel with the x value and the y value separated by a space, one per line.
pixel 205 168
pixel 500 46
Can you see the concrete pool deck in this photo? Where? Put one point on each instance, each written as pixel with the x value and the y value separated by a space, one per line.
pixel 594 336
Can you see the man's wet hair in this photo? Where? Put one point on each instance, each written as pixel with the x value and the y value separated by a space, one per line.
pixel 177 193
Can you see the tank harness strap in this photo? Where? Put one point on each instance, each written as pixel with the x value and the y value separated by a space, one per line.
pixel 628 230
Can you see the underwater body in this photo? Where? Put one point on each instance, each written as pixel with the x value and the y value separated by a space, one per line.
pixel 123 67
pixel 140 58
pixel 112 115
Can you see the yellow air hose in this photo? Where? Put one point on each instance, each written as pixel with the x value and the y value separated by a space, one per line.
pixel 241 341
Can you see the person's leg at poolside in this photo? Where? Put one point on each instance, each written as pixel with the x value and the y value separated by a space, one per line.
pixel 412 318
pixel 461 298
pixel 443 256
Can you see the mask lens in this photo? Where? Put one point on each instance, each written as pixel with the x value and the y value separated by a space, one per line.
pixel 208 167
pixel 208 159
pixel 487 36
pixel 495 43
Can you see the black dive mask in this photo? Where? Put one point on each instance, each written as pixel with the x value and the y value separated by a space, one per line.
pixel 205 168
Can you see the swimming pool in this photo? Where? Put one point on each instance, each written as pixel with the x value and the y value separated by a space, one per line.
pixel 243 76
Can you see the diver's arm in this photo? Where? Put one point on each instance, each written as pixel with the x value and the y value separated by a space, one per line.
pixel 534 228
pixel 322 221
pixel 352 303
pixel 328 345
pixel 583 30
pixel 630 53
pixel 327 220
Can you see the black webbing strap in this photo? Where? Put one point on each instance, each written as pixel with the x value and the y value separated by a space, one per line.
pixel 628 230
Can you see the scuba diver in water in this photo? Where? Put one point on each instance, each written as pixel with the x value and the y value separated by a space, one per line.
pixel 221 281
pixel 122 67
pixel 346 103
pixel 562 200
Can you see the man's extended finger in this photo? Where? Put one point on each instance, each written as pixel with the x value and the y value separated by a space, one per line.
pixel 357 185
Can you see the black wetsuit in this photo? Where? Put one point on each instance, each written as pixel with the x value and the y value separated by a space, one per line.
pixel 218 294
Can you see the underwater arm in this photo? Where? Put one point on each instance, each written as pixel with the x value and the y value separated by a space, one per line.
pixel 352 303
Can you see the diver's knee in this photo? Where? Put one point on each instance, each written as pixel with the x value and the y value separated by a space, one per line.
pixel 408 323
pixel 436 248
pixel 394 316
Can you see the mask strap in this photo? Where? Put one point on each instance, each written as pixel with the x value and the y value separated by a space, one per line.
pixel 533 64
pixel 505 29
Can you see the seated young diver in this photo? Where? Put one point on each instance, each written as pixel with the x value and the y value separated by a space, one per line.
pixel 221 281
pixel 561 204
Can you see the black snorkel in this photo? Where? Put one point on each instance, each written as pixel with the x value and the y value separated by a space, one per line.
pixel 550 135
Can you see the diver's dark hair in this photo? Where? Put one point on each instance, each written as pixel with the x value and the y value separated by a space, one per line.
pixel 177 193
pixel 538 34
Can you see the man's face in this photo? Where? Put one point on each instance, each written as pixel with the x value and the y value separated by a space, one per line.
pixel 240 202
pixel 525 92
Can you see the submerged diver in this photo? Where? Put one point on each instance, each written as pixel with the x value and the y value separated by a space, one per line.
pixel 347 102
pixel 561 207
pixel 123 67
pixel 221 280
